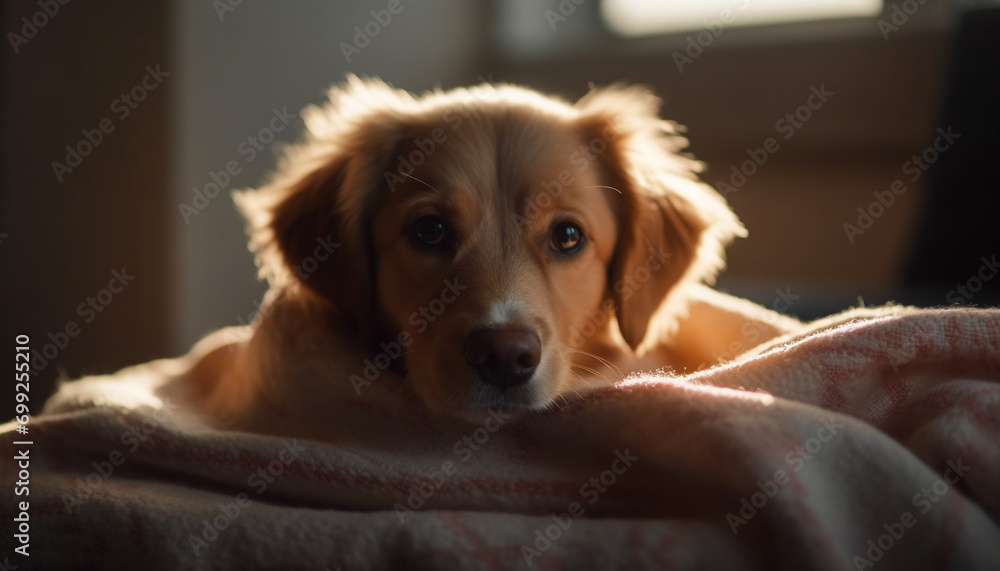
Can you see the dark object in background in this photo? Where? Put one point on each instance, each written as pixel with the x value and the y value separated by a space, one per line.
pixel 961 223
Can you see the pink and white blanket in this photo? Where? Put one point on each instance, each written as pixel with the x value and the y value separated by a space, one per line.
pixel 869 441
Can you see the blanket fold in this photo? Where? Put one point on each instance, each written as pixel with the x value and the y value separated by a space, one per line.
pixel 868 440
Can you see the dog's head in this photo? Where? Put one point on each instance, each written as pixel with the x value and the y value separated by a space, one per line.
pixel 496 237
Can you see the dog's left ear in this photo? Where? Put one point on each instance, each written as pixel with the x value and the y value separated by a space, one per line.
pixel 673 229
pixel 309 227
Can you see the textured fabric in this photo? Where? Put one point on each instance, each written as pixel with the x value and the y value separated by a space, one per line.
pixel 868 441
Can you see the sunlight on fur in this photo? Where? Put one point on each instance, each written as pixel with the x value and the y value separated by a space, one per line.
pixel 516 247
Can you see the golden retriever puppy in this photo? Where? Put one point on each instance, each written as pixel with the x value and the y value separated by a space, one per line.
pixel 492 246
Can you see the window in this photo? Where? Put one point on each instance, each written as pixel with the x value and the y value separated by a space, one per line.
pixel 645 17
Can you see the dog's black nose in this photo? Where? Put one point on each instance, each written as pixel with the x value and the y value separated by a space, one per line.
pixel 503 357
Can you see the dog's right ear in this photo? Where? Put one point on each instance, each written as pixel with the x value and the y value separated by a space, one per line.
pixel 309 226
pixel 673 229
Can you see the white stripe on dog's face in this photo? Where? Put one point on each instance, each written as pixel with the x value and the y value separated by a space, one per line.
pixel 498 242
pixel 503 313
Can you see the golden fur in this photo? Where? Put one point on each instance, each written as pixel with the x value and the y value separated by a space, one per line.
pixel 506 165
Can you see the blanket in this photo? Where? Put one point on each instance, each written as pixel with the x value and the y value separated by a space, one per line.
pixel 869 440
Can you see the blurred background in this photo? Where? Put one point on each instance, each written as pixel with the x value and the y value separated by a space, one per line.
pixel 120 121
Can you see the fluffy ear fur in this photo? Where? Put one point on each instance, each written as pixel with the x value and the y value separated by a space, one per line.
pixel 308 227
pixel 673 229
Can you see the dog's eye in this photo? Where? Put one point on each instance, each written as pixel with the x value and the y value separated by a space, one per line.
pixel 567 238
pixel 429 230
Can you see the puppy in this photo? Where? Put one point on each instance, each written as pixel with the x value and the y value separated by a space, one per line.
pixel 491 246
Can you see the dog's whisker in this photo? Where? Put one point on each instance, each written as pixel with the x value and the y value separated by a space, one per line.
pixel 611 366
pixel 605 186
pixel 602 360
pixel 436 191
pixel 461 399
pixel 593 372
pixel 598 376
pixel 570 387
pixel 583 367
